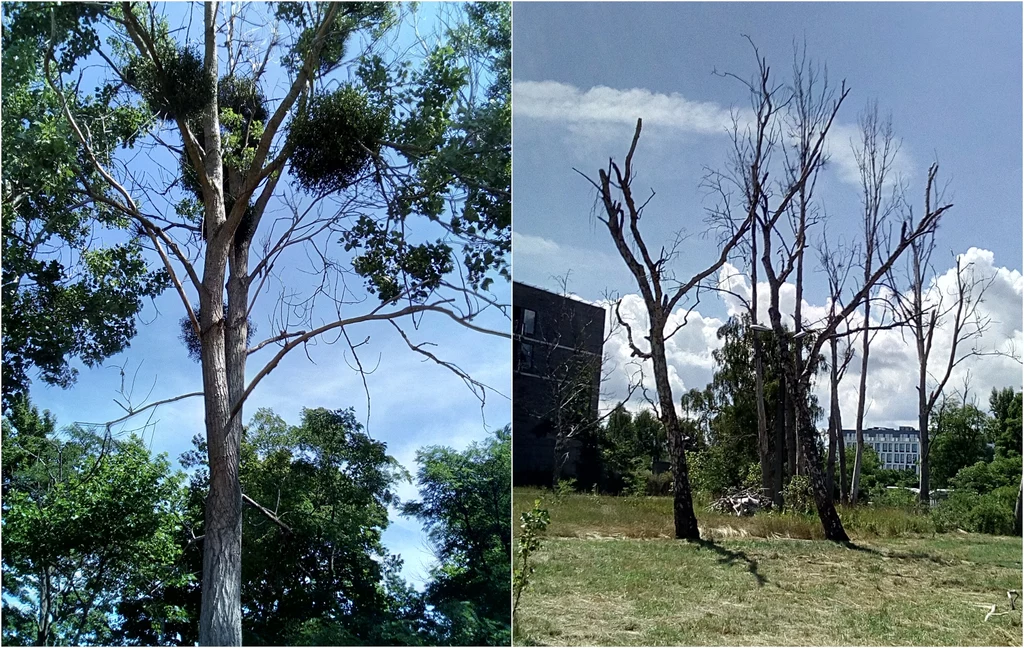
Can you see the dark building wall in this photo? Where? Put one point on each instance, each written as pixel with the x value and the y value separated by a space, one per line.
pixel 554 338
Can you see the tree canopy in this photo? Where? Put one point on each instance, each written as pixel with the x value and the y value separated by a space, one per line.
pixel 465 503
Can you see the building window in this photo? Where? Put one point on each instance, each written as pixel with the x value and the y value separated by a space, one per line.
pixel 524 321
pixel 914 447
pixel 888 457
pixel 524 357
pixel 529 321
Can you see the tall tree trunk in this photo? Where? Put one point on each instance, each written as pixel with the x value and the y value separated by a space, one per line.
pixel 780 443
pixel 682 505
pixel 835 426
pixel 789 420
pixel 924 445
pixel 861 396
pixel 45 607
pixel 220 620
pixel 800 388
pixel 764 446
pixel 763 441
pixel 830 521
pixel 1017 509
pixel 844 486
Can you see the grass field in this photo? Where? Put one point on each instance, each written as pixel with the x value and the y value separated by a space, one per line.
pixel 609 573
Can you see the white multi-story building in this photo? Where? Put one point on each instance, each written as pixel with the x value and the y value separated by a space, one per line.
pixel 897 449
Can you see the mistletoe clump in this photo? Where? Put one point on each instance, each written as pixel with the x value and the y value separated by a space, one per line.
pixel 333 140
pixel 177 87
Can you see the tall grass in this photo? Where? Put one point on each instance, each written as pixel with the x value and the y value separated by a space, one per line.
pixel 585 515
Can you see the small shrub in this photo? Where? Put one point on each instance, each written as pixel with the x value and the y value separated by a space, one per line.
pixel 563 488
pixel 533 524
pixel 797 495
pixel 899 498
pixel 752 479
pixel 659 484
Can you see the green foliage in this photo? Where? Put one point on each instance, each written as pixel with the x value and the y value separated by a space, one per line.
pixel 532 525
pixel 333 140
pixel 723 416
pixel 465 502
pixel 798 496
pixel 958 440
pixel 455 138
pixel 392 266
pixel 1006 423
pixel 373 16
pixel 983 478
pixel 331 484
pixel 900 498
pixel 63 297
pixel 709 471
pixel 629 445
pixel 175 86
pixel 88 519
pixel 969 511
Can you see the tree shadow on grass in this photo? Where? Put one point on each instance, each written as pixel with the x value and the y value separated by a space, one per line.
pixel 902 555
pixel 730 557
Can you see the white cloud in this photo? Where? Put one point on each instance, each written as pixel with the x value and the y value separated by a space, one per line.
pixel 554 101
pixel 892 367
pixel 601 114
pixel 529 245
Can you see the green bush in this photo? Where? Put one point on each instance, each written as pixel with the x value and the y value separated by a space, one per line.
pixel 969 511
pixel 899 498
pixel 645 482
pixel 990 516
pixel 797 496
pixel 708 472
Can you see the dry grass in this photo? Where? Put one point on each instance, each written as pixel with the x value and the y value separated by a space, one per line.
pixel 609 574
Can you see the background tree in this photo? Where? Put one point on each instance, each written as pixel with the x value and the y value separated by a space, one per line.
pixel 1005 428
pixel 958 439
pixel 837 264
pixel 315 570
pixel 404 141
pixel 465 502
pixel 926 307
pixel 875 153
pixel 87 522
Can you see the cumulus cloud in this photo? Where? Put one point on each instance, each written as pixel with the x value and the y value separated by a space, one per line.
pixel 892 361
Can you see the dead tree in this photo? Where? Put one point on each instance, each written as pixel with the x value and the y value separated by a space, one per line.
pixel 837 264
pixel 875 155
pixel 662 293
pixel 793 123
pixel 926 308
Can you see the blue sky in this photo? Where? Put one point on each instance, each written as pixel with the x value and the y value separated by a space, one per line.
pixel 949 74
pixel 413 403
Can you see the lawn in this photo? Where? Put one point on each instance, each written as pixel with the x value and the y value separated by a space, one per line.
pixel 609 573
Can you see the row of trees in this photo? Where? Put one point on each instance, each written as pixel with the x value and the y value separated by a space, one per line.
pixel 766 219
pixel 217 143
pixel 103 541
pixel 974 453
